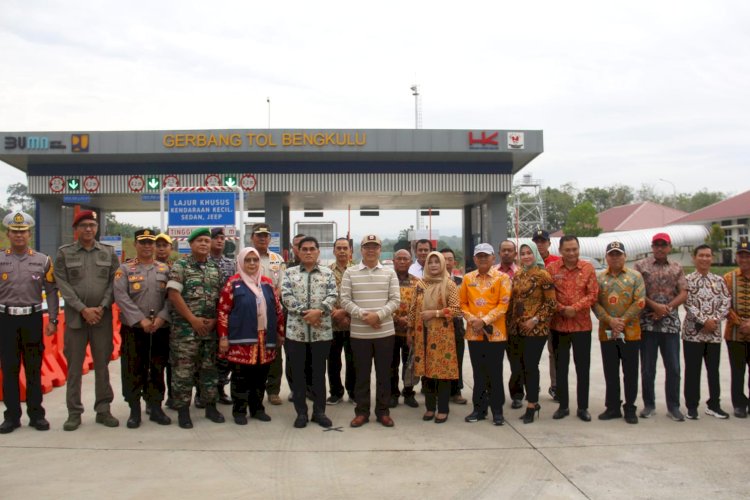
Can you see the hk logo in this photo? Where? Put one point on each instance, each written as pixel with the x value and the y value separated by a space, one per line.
pixel 484 141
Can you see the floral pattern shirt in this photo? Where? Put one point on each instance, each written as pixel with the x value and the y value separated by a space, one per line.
pixel 622 296
pixel 486 296
pixel 576 288
pixel 708 298
pixel 400 316
pixel 739 290
pixel 533 295
pixel 663 283
pixel 302 290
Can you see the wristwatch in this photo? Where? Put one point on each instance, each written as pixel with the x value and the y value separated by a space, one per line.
pixel 54 321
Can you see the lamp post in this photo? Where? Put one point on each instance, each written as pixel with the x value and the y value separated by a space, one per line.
pixel 674 192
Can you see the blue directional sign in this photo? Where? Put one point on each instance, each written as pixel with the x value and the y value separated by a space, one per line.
pixel 201 209
pixel 76 198
pixel 150 197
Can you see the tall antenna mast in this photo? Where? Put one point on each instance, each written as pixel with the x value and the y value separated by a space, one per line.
pixel 417 106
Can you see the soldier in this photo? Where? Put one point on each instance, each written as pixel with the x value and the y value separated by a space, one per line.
pixel 85 272
pixel 193 290
pixel 24 274
pixel 218 240
pixel 140 292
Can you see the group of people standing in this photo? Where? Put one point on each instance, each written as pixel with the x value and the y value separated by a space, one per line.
pixel 207 321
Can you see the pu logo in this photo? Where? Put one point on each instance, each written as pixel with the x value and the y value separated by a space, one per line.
pixel 79 143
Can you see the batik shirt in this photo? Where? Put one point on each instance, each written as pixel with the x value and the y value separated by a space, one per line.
pixel 663 283
pixel 739 290
pixel 621 296
pixel 708 298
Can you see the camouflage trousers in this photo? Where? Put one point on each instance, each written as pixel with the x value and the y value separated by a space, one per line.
pixel 190 355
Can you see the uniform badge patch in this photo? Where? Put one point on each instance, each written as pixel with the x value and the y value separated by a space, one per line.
pixel 5 276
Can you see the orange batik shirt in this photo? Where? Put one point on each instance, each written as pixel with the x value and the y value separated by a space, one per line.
pixel 486 297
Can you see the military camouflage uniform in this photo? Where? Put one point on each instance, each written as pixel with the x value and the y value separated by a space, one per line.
pixel 227 267
pixel 199 283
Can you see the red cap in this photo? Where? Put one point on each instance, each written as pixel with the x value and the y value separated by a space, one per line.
pixel 85 215
pixel 662 237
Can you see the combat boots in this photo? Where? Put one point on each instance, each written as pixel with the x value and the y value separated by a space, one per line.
pixel 213 414
pixel 134 420
pixel 183 418
pixel 158 415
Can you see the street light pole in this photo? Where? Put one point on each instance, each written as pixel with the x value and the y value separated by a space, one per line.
pixel 674 192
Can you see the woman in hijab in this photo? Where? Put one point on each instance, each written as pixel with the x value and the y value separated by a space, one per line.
pixel 251 330
pixel 431 335
pixel 532 305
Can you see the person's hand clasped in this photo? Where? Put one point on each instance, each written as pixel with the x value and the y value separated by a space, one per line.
pixel 372 319
pixel 313 317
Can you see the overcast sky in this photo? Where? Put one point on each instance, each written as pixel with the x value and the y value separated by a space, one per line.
pixel 626 92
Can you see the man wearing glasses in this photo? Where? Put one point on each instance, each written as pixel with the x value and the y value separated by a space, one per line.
pixel 666 289
pixel 85 272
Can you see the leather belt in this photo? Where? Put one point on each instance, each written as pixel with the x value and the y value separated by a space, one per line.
pixel 20 311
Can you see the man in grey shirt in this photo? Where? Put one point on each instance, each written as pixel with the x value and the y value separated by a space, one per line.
pixel 370 294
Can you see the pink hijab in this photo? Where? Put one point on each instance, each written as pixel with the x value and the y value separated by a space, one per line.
pixel 253 283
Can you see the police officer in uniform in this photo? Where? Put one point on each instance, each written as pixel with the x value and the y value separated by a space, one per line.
pixel 193 290
pixel 85 271
pixel 140 292
pixel 23 274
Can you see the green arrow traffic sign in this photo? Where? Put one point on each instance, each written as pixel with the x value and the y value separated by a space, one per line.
pixel 230 181
pixel 153 182
pixel 74 184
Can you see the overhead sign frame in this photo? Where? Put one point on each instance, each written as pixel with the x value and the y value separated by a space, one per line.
pixel 239 194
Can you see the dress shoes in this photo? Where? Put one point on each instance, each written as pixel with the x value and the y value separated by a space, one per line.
pixel 262 416
pixel 214 415
pixel 610 414
pixel 359 421
pixel 157 415
pixel 584 415
pixel 439 420
pixel 458 399
pixel 516 404
pixel 386 420
pixel 411 401
pixel 561 413
pixel 9 426
pixel 631 417
pixel 39 424
pixel 322 420
pixel 300 422
pixel 73 423
pixel 106 419
pixel 428 415
pixel 183 418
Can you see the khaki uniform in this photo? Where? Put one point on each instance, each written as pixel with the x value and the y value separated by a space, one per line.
pixel 272 266
pixel 199 283
pixel 23 278
pixel 140 292
pixel 85 278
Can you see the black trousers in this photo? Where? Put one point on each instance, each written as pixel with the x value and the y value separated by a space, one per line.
pixel 581 343
pixel 247 385
pixel 515 382
pixel 365 352
pixel 458 328
pixel 222 366
pixel 341 342
pixel 739 359
pixel 400 356
pixel 299 354
pixel 616 353
pixel 21 340
pixel 275 371
pixel 532 348
pixel 139 353
pixel 695 354
pixel 487 365
pixel 437 392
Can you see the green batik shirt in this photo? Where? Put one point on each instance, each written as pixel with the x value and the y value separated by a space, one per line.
pixel 199 283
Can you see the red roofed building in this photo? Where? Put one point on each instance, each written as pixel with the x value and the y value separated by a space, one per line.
pixel 635 216
pixel 732 214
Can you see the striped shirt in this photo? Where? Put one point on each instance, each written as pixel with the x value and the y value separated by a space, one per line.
pixel 370 289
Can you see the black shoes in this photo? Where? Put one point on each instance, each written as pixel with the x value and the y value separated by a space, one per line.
pixel 157 415
pixel 240 419
pixel 475 416
pixel 262 416
pixel 516 404
pixel 631 417
pixel 498 420
pixel 528 417
pixel 611 414
pixel 322 420
pixel 584 415
pixel 9 426
pixel 411 401
pixel 183 418
pixel 223 398
pixel 39 424
pixel 740 412
pixel 134 420
pixel 561 413
pixel 214 415
pixel 300 422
